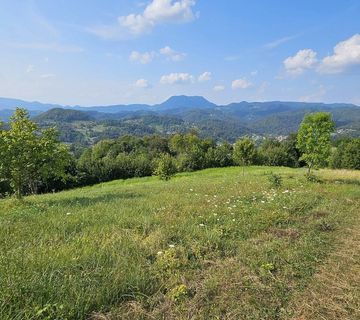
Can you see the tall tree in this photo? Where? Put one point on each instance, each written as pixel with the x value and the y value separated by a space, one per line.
pixel 244 152
pixel 29 155
pixel 313 139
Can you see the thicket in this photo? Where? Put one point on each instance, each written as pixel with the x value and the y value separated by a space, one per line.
pixel 131 156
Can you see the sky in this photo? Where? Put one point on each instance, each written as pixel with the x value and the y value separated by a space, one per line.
pixel 144 51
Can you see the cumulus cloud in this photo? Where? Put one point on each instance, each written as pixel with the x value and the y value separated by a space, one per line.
pixel 303 60
pixel 155 13
pixel 206 76
pixel 219 88
pixel 346 54
pixel 171 54
pixel 142 83
pixel 177 78
pixel 142 58
pixel 241 84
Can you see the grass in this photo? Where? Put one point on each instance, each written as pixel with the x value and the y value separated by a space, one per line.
pixel 212 244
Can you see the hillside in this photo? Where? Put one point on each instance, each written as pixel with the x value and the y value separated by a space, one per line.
pixel 213 244
pixel 87 125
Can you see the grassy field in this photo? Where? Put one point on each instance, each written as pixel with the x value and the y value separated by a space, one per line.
pixel 213 244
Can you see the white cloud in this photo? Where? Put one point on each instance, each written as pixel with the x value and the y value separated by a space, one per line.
pixel 177 78
pixel 303 60
pixel 254 73
pixel 142 58
pixel 206 76
pixel 155 13
pixel 219 88
pixel 142 83
pixel 30 68
pixel 278 42
pixel 136 23
pixel 159 11
pixel 346 54
pixel 241 84
pixel 171 54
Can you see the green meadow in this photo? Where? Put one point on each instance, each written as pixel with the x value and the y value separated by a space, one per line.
pixel 212 244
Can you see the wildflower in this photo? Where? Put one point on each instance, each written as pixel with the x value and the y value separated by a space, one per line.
pixel 68 213
pixel 159 253
pixel 171 246
pixel 233 220
pixel 191 189
pixel 262 201
pixel 201 225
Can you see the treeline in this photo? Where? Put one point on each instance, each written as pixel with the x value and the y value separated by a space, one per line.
pixel 51 167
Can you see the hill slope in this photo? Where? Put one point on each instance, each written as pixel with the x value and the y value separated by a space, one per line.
pixel 205 245
pixel 229 122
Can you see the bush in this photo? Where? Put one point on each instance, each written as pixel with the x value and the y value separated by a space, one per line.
pixel 312 178
pixel 275 180
pixel 165 167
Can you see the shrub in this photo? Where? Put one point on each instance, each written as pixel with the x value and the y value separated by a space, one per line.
pixel 312 178
pixel 165 167
pixel 275 180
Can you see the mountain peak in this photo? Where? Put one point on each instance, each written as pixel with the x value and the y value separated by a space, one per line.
pixel 182 101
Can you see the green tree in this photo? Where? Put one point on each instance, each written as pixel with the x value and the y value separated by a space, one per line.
pixel 244 152
pixel 29 155
pixel 313 139
pixel 165 167
pixel 347 155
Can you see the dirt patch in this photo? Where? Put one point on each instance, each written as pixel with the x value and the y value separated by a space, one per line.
pixel 288 233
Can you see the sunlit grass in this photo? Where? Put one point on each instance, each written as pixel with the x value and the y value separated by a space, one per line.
pixel 204 245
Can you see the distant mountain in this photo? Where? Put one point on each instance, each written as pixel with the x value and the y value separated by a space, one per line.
pixel 86 125
pixel 12 104
pixel 63 115
pixel 184 102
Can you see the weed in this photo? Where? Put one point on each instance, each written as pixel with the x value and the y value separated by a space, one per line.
pixel 275 180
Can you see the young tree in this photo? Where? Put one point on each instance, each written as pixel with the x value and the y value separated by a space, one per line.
pixel 29 155
pixel 313 139
pixel 244 152
pixel 165 167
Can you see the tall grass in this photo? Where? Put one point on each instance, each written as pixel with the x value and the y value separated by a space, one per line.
pixel 209 244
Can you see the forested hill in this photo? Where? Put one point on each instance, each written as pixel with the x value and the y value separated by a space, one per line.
pixel 86 125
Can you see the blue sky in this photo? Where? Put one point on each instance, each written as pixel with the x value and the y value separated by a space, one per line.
pixel 119 51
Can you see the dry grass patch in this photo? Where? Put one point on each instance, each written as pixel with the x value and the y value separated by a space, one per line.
pixel 334 292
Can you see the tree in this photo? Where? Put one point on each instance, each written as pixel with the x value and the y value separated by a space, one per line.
pixel 244 152
pixel 29 155
pixel 165 167
pixel 347 154
pixel 313 139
